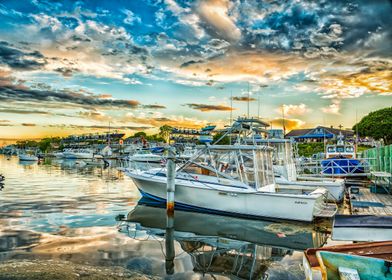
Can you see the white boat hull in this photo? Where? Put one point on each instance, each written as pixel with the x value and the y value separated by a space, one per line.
pixel 28 158
pixel 223 200
pixel 145 158
pixel 335 189
pixel 75 155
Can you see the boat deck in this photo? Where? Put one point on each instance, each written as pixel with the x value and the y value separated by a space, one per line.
pixel 367 203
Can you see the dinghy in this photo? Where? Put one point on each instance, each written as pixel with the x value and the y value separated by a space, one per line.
pixel 365 261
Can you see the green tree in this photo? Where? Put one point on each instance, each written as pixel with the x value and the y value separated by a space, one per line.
pixel 377 125
pixel 164 132
pixel 140 134
pixel 224 141
pixel 44 144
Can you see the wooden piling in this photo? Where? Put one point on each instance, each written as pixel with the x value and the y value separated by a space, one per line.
pixel 169 238
pixel 170 187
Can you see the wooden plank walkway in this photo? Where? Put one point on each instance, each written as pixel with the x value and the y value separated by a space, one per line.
pixel 366 196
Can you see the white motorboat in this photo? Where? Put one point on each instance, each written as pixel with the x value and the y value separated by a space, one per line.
pixel 247 191
pixel 27 157
pixel 144 156
pixel 78 154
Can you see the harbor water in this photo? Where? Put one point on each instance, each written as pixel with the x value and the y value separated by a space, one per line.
pixel 59 210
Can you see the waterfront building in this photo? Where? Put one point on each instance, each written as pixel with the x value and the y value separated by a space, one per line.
pixel 319 133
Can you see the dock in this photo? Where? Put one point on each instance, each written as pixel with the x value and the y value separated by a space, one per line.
pixel 366 202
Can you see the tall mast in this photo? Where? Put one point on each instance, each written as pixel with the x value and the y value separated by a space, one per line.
pixel 258 105
pixel 283 122
pixel 231 107
pixel 248 98
pixel 356 130
pixel 109 135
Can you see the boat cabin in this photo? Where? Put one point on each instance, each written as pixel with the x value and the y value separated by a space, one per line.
pixel 251 165
pixel 340 150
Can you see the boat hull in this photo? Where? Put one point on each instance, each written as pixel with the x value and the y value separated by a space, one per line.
pixel 28 158
pixel 335 189
pixel 243 203
pixel 72 155
pixel 338 166
pixel 145 159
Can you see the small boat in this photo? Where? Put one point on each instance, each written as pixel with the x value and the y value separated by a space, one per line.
pixel 27 157
pixel 248 191
pixel 362 228
pixel 205 139
pixel 144 155
pixel 78 154
pixel 365 261
pixel 335 189
pixel 340 159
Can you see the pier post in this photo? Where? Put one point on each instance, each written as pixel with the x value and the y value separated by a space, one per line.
pixel 170 187
pixel 169 237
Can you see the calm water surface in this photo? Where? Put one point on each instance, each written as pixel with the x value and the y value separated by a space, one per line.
pixel 57 210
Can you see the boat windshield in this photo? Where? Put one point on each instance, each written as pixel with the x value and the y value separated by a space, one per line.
pixel 331 149
pixel 349 149
pixel 340 149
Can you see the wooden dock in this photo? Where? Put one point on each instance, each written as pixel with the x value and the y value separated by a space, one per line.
pixel 367 203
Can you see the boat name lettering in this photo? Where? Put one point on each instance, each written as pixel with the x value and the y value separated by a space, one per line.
pixel 300 202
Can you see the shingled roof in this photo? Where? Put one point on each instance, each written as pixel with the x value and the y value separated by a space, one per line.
pixel 298 132
pixel 335 131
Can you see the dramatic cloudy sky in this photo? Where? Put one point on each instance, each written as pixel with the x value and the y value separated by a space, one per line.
pixel 74 66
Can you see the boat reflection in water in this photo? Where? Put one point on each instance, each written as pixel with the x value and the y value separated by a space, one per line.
pixel 222 245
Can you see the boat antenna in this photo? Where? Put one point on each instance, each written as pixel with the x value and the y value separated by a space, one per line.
pixel 356 130
pixel 258 105
pixel 283 122
pixel 248 98
pixel 231 107
pixel 258 100
pixel 109 135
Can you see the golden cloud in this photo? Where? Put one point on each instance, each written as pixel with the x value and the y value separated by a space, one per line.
pixel 289 124
pixel 243 98
pixel 257 66
pixel 292 109
pixel 209 108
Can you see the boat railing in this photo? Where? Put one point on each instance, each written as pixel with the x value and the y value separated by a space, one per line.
pixel 339 167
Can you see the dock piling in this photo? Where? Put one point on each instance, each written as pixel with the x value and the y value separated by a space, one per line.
pixel 171 174
pixel 169 238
